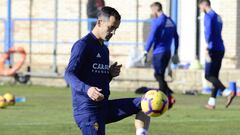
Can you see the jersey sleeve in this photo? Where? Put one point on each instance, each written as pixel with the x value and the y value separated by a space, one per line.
pixel 78 56
pixel 208 27
pixel 153 33
pixel 176 40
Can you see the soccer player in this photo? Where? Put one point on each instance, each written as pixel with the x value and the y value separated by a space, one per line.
pixel 162 33
pixel 214 51
pixel 89 74
pixel 93 8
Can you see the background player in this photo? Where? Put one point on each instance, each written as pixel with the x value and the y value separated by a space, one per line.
pixel 162 33
pixel 214 51
pixel 89 75
pixel 93 9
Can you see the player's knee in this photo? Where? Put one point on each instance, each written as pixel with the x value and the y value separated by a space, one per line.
pixel 210 78
pixel 159 77
pixel 207 77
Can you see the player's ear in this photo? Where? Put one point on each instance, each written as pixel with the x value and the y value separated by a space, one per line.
pixel 99 22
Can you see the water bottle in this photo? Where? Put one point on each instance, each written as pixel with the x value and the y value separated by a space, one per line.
pixel 20 99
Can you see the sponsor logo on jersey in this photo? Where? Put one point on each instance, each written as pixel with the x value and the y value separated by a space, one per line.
pixel 100 68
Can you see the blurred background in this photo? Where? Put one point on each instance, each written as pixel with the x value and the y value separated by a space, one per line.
pixel 47 29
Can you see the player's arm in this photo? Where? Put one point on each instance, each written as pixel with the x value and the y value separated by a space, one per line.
pixel 176 41
pixel 175 58
pixel 76 60
pixel 208 28
pixel 151 37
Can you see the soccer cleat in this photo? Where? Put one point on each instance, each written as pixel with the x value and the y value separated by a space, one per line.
pixel 172 101
pixel 230 99
pixel 141 90
pixel 210 107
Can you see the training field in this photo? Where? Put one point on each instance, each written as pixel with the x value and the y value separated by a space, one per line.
pixel 48 112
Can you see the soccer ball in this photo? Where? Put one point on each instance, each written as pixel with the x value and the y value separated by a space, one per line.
pixel 154 103
pixel 3 102
pixel 10 98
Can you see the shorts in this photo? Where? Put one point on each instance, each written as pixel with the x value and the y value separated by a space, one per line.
pixel 160 62
pixel 112 111
pixel 213 67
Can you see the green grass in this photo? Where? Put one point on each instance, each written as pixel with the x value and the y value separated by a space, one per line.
pixel 48 112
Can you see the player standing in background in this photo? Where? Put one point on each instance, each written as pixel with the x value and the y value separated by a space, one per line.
pixel 88 74
pixel 163 31
pixel 214 51
pixel 93 8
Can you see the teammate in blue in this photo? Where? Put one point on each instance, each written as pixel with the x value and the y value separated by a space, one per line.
pixel 89 74
pixel 162 33
pixel 214 51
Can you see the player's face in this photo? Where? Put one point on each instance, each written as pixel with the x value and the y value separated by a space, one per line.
pixel 154 10
pixel 108 28
pixel 202 7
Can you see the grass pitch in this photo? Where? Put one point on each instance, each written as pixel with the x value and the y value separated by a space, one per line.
pixel 47 111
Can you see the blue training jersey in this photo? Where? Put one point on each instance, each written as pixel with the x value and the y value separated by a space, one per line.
pixel 213 31
pixel 162 33
pixel 88 66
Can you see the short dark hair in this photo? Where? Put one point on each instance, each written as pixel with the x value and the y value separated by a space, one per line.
pixel 157 4
pixel 206 1
pixel 109 11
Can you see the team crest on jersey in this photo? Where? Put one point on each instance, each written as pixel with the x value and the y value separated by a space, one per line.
pixel 96 126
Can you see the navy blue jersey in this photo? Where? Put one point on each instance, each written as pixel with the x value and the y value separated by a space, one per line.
pixel 88 67
pixel 162 33
pixel 213 31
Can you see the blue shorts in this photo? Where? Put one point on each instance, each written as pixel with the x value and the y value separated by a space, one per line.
pixel 160 62
pixel 212 68
pixel 112 111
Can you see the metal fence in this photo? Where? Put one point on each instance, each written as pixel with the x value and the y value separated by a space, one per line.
pixel 55 42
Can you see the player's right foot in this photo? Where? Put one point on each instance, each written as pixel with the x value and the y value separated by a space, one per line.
pixel 172 101
pixel 230 99
pixel 210 107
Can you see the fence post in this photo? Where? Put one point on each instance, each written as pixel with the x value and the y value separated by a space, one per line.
pixel 55 69
pixel 174 16
pixel 8 29
pixel 137 22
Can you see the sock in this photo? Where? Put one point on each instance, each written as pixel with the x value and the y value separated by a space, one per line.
pixel 141 131
pixel 212 101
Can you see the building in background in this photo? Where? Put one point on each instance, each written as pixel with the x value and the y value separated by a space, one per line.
pixel 43 31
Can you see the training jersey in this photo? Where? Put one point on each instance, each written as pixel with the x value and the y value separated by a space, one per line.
pixel 163 31
pixel 213 31
pixel 88 66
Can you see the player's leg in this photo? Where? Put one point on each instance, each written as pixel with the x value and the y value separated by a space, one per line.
pixel 142 122
pixel 160 63
pixel 219 83
pixel 209 75
pixel 212 69
pixel 119 109
pixel 91 125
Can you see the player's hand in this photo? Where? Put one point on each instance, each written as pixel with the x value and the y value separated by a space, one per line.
pixel 175 59
pixel 95 94
pixel 115 69
pixel 207 56
pixel 145 57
